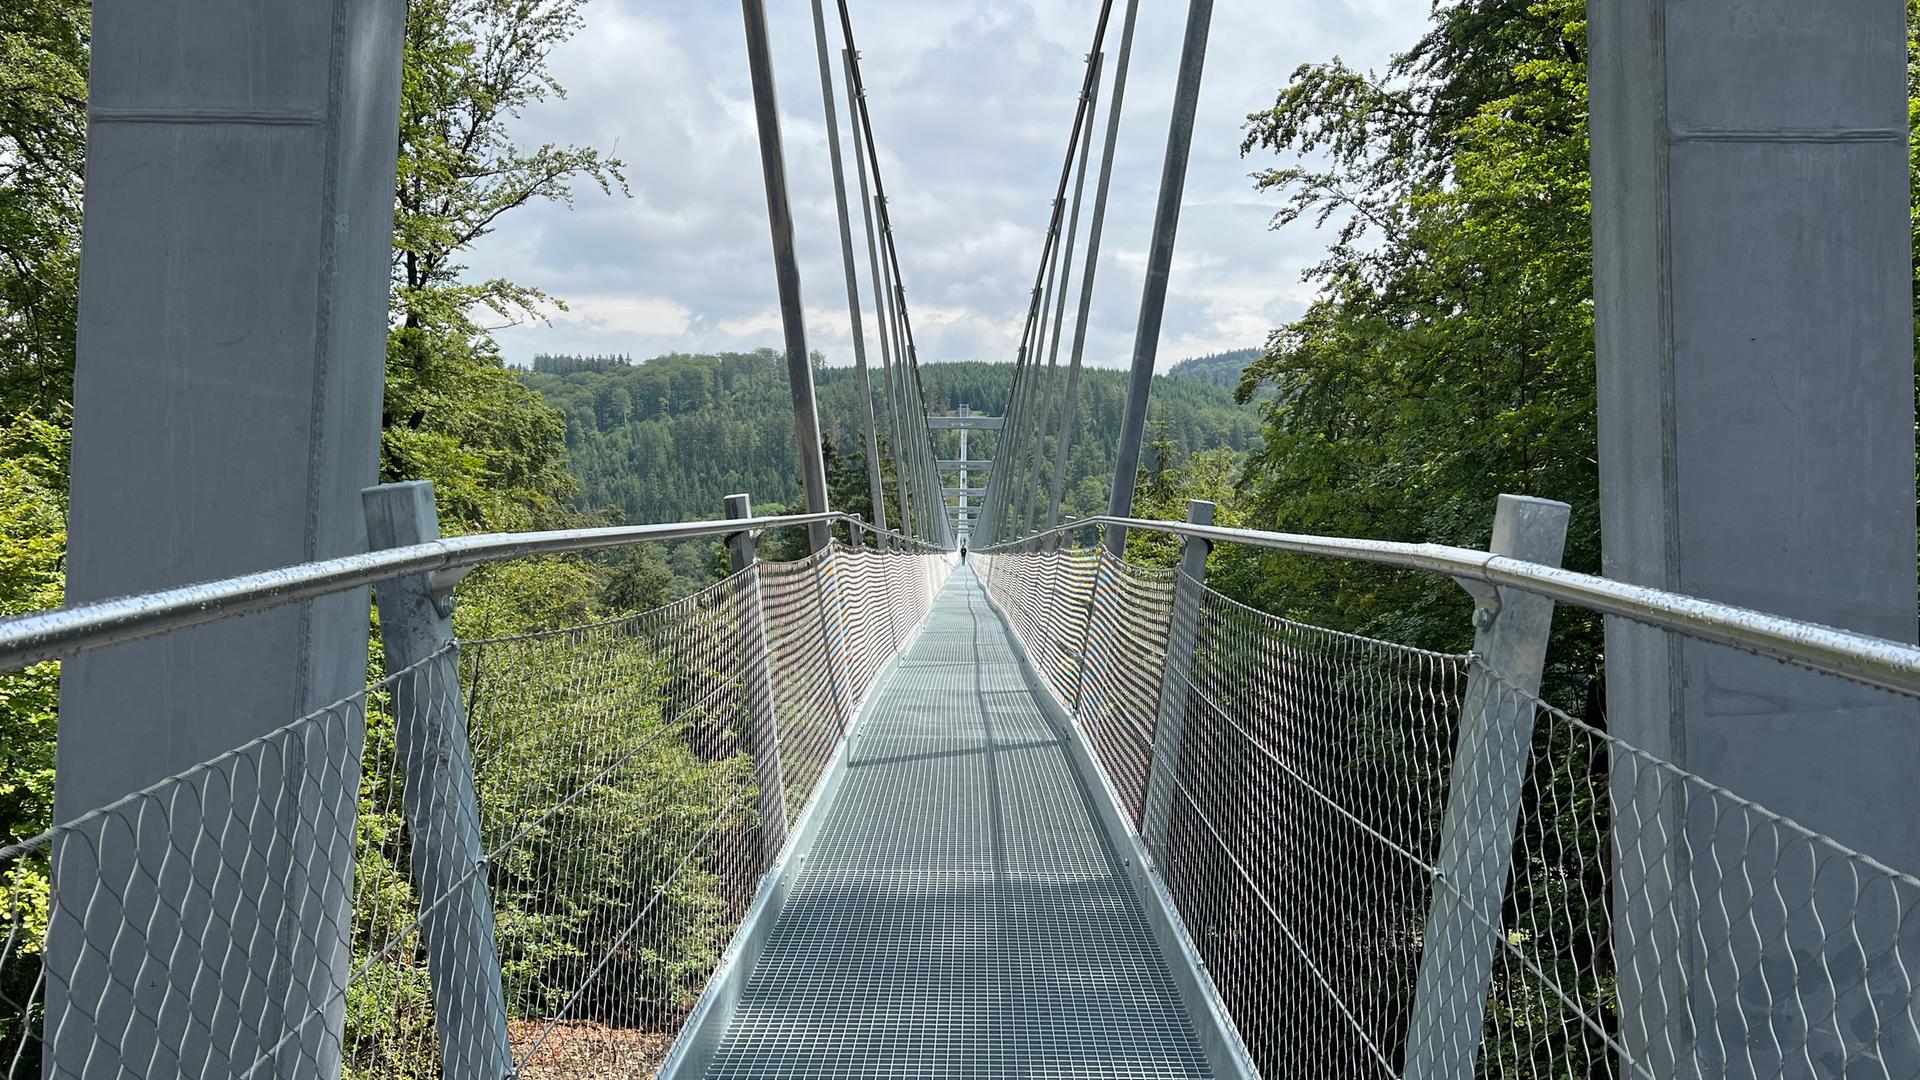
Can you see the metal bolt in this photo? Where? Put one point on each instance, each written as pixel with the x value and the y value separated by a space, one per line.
pixel 1483 619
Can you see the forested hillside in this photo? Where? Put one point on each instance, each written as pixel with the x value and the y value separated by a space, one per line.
pixel 1220 369
pixel 667 439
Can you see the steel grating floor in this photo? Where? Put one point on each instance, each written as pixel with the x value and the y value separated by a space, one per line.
pixel 960 912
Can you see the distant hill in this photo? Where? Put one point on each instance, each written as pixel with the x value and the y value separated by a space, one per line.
pixel 1220 369
pixel 668 438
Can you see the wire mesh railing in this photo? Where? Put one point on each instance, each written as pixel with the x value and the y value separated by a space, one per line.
pixel 302 904
pixel 1330 797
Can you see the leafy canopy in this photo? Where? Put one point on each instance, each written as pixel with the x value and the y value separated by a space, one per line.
pixel 453 413
pixel 43 109
pixel 1449 355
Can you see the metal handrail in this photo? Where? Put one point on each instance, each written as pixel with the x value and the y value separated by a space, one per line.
pixel 29 639
pixel 1891 665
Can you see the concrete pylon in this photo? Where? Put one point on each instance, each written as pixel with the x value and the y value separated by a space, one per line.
pixel 233 319
pixel 1753 282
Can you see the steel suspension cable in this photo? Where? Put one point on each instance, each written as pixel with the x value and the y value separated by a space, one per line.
pixel 880 311
pixel 1004 482
pixel 1060 312
pixel 1023 440
pixel 920 455
pixel 1153 300
pixel 877 491
pixel 786 264
pixel 1069 407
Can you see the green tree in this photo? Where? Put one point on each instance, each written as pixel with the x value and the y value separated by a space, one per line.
pixel 1449 355
pixel 678 455
pixel 1448 358
pixel 43 130
pixel 453 413
pixel 33 508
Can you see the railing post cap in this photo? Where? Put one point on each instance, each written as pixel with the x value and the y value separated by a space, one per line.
pixel 400 514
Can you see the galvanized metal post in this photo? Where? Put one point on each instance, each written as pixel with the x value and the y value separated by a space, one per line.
pixel 1483 800
pixel 763 724
pixel 449 865
pixel 1153 300
pixel 1169 730
pixel 1070 403
pixel 786 268
pixel 876 492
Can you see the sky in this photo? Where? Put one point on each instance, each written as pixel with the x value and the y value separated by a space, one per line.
pixel 972 102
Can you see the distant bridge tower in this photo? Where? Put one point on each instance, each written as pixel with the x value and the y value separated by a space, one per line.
pixel 960 519
pixel 967 507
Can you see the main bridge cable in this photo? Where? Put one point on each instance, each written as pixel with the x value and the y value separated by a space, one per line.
pixel 915 465
pixel 1023 428
pixel 893 296
pixel 1014 428
pixel 914 408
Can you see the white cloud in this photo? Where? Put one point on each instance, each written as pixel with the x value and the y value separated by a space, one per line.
pixel 971 102
pixel 643 315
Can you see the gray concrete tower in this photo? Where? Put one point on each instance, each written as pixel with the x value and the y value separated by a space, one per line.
pixel 1753 282
pixel 233 318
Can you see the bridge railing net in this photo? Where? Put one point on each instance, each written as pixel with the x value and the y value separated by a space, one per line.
pixel 261 913
pixel 1651 923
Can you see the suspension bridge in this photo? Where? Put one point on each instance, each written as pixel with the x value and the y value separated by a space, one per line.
pixel 899 808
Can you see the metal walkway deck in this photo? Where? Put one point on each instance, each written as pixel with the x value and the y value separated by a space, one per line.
pixel 960 911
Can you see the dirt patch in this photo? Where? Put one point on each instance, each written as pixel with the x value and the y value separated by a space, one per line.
pixel 583 1050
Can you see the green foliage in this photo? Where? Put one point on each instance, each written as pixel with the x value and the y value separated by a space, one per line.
pixel 33 534
pixel 453 413
pixel 648 804
pixel 1449 358
pixel 1164 487
pixel 698 428
pixel 33 510
pixel 43 106
pixel 471 68
pixel 1220 369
